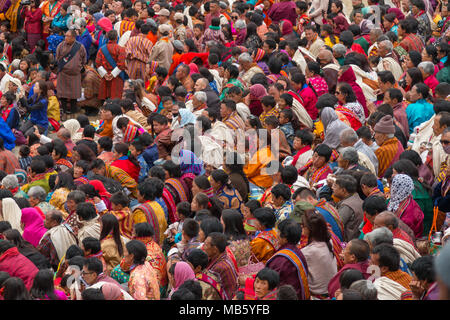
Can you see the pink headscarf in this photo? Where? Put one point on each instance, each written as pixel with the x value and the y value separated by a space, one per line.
pixel 257 91
pixel 182 273
pixel 286 27
pixel 105 24
pixel 194 68
pixel 33 226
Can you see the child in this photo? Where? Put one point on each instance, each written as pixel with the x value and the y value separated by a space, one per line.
pixel 119 208
pixel 268 104
pixel 326 33
pixel 130 131
pixel 167 104
pixel 249 220
pixel 136 150
pixel 25 158
pixel 302 145
pixel 277 136
pixel 53 110
pixel 285 118
pixel 174 231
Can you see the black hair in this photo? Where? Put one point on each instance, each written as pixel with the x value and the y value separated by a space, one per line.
pixel 184 208
pixel 198 257
pixel 234 224
pixel 388 256
pixel 172 168
pixel 191 227
pixel 110 225
pixel 269 275
pixel 92 294
pixel 349 276
pixel 218 240
pixel 86 211
pixel 43 287
pixel 324 150
pixel 281 190
pixel 147 190
pixel 360 249
pixel 290 230
pixel 266 217
pixel 93 244
pixel 211 224
pixel 423 268
pixel 374 205
pixel 138 249
pixel 14 289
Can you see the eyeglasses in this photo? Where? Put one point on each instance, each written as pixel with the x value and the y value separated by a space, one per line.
pixel 84 272
pixel 445 142
pixel 234 17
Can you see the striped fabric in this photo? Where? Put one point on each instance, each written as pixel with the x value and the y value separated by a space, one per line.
pixel 338 225
pixel 400 277
pixel 176 187
pixel 121 176
pixel 126 25
pixel 387 153
pixel 171 206
pixel 138 50
pixel 234 121
pixel 151 218
pixel 125 222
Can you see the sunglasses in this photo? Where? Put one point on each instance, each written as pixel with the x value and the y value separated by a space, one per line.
pixel 234 17
pixel 445 142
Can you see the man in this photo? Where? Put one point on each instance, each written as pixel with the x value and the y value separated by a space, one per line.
pixel 438 155
pixel 407 32
pixel 110 63
pixel 293 50
pixel 71 57
pixel 390 148
pixel 419 13
pixel 50 9
pixel 93 273
pixel 289 261
pixel 355 256
pixel 394 98
pixel 138 50
pixel 183 75
pixel 357 5
pixel 427 70
pixel 64 135
pixel 329 68
pixel 179 28
pixel 373 37
pixel 36 197
pixel 423 283
pixel 349 205
pixel 219 262
pixel 230 116
pixel 118 7
pixel 84 37
pixel 163 16
pixel 392 282
pixel 369 186
pixel 212 99
pixel 150 211
pixel 128 23
pixel 90 84
pixel 387 61
pixel 398 228
pixel 214 12
pixel 37 176
pixel 248 68
pixel 162 50
pixel 367 157
pixel 348 160
pixel 209 281
pixel 315 43
pixel 57 239
pixel 199 103
pixel 163 136
pixel 89 221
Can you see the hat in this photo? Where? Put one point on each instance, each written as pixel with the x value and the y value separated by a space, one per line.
pixel 163 12
pixel 16 81
pixel 164 28
pixel 105 24
pixel 299 210
pixel 178 16
pixel 385 125
pixel 178 45
pixel 223 5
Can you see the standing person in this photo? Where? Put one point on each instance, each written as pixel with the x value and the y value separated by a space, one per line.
pixel 138 50
pixel 71 57
pixel 110 63
pixel 285 9
pixel 50 9
pixel 33 23
pixel 162 50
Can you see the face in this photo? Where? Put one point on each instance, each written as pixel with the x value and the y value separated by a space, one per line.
pixel 346 256
pixel 210 250
pixel 338 191
pixel 89 276
pixel 275 93
pixel 224 112
pixel 309 34
pixel 77 172
pixel 437 129
pixel 112 18
pixel 69 38
pixel 71 205
pixel 426 56
pixel 358 18
pixel 3 102
pixel 318 161
pixel 414 95
pixel 408 61
pixel 382 51
pixel 387 99
pixel 36 86
pixel 261 287
pixel 214 8
pixel 334 9
pixel 157 127
pixel 197 32
pixel 198 85
pixel 414 10
pixel 342 163
pixel 33 201
pixel 340 96
pixel 23 65
pixel 194 205
pixel 380 138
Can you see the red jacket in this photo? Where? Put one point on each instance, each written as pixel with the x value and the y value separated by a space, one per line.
pixel 17 265
pixel 33 22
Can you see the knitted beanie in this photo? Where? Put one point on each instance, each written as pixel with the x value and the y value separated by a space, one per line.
pixel 385 125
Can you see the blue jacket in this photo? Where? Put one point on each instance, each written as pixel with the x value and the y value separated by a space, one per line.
pixel 61 22
pixel 13 119
pixel 86 40
pixel 38 110
pixel 8 137
pixel 150 155
pixel 418 112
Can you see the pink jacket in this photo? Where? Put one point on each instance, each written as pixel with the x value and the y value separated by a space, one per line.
pixel 413 217
pixel 17 265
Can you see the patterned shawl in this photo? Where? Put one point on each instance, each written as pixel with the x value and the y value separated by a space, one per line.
pixel 402 186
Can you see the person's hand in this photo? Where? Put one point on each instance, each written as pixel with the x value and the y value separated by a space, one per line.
pixel 416 288
pixel 108 77
pixel 36 132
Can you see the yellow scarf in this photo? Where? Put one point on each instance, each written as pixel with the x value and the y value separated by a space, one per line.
pixel 11 15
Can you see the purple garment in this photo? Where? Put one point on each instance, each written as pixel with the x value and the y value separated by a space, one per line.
pixel 240 38
pixel 288 271
pixel 283 10
pixel 413 217
pixel 432 293
pixel 4 6
pixel 402 118
pixel 334 283
pixel 264 67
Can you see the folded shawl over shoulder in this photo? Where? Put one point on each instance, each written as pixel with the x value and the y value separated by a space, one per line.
pixel 33 226
pixel 333 127
pixel 62 238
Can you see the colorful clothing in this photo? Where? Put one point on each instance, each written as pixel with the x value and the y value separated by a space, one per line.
pixel 265 245
pixel 387 154
pixel 178 189
pixel 124 217
pixel 332 217
pixel 143 283
pixel 152 213
pixel 156 259
pixel 224 267
pixel 319 84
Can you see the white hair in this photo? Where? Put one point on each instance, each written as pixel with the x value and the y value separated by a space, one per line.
pixel 427 67
pixel 10 181
pixel 340 49
pixel 379 235
pixel 200 96
pixel 387 44
pixel 240 24
pixel 37 192
pixel 245 57
pixel 350 154
pixel 349 136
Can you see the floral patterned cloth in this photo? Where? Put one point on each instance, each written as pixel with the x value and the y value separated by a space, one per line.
pixel 143 283
pixel 319 84
pixel 241 251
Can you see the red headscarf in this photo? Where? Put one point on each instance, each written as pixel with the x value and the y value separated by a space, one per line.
pixel 100 188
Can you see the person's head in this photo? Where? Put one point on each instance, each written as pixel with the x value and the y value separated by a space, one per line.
pixel 384 129
pixel 426 68
pixel 70 36
pixel 441 122
pixel 281 193
pixel 92 268
pixel 53 218
pixel 348 157
pixel 413 76
pixel 348 277
pixel 310 32
pixel 344 186
pixel 135 252
pixel 386 80
pixel 386 219
pixel 86 211
pixel 265 217
pixel 345 93
pixel 14 289
pixel 209 225
pixel 321 156
pixel 393 96
pixel 36 195
pixel 379 236
pixel 365 288
pixel 386 257
pixel 160 123
pixel 233 224
pixel 266 280
pixel 215 244
pixel 385 47
pixel 43 287
pixel 357 250
pixel 146 191
pixel 74 198
pixel 289 231
pixel 368 183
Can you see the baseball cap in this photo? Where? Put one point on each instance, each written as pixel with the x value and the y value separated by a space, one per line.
pixel 163 12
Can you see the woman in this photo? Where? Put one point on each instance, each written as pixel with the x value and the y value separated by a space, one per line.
pixel 250 222
pixel 332 127
pixel 225 192
pixel 63 186
pixel 111 241
pixel 403 205
pixel 412 77
pixel 265 244
pixel 201 202
pixel 308 96
pixel 317 169
pixel 37 106
pixel 252 40
pixel 11 212
pixel 143 283
pixel 202 184
pixel 80 171
pixel 234 167
pixel 314 79
pixel 429 53
pixel 27 249
pixel 233 225
pixel 61 20
pixel 33 23
pixel 347 74
pixel 347 99
pixel 43 287
pixel 14 289
pixel 179 272
pixel 287 31
pixel 59 155
pixel 253 99
pixel 9 113
pixel 230 79
pixel 176 186
pixel 318 253
pixel 33 226
pixel 125 162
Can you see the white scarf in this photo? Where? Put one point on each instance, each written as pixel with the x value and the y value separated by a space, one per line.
pixel 90 228
pixel 61 238
pixel 407 252
pixel 12 213
pixel 388 289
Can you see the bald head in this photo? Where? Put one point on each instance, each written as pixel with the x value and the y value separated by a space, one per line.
pixel 386 219
pixel 63 134
pixel 325 56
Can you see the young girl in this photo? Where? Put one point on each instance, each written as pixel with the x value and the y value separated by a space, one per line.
pixel 136 150
pixel 120 208
pixel 175 229
pixel 37 106
pixel 201 201
pixel 249 220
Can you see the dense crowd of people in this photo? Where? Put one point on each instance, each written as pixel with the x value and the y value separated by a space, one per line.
pixel 224 150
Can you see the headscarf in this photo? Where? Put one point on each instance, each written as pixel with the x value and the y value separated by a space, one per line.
pixel 398 13
pixel 257 91
pixel 12 213
pixel 186 117
pixel 97 16
pixel 105 24
pixel 194 68
pixel 332 127
pixel 112 292
pixel 189 163
pixel 286 27
pixel 33 226
pixel 259 54
pixel 401 188
pixel 182 273
pixel 73 126
pixel 100 188
pixel 341 24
